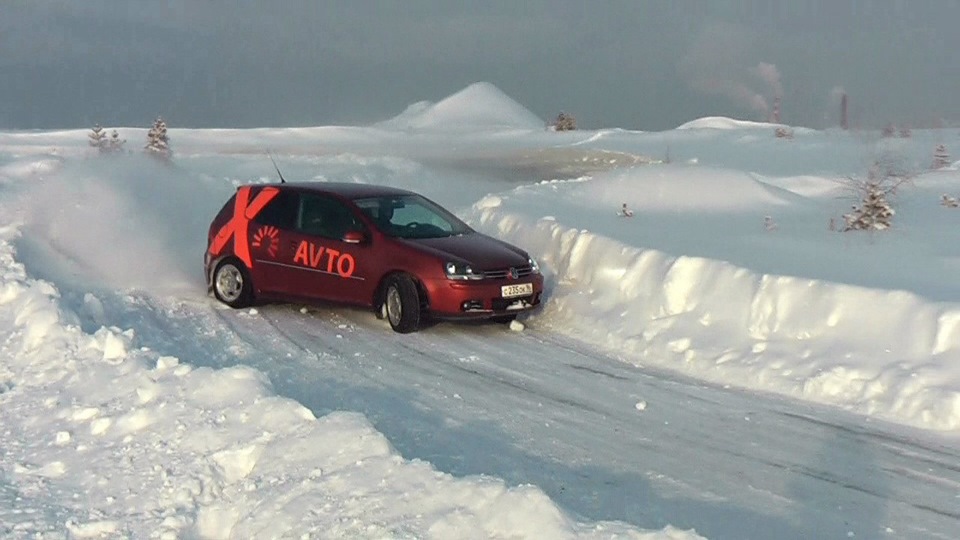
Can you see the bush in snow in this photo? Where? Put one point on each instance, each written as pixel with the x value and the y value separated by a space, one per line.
pixel 624 211
pixel 564 122
pixel 783 133
pixel 157 142
pixel 941 158
pixel 875 213
pixel 949 202
pixel 905 133
pixel 888 130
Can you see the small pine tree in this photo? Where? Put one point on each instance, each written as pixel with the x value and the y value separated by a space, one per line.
pixel 874 212
pixel 116 143
pixel 98 138
pixel 941 158
pixel 564 122
pixel 157 142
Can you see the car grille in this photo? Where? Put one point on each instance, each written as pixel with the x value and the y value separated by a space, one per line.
pixel 522 271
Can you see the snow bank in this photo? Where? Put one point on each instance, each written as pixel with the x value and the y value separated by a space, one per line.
pixel 105 439
pixel 881 352
pixel 723 122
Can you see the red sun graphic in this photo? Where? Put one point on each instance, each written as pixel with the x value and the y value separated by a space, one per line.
pixel 268 238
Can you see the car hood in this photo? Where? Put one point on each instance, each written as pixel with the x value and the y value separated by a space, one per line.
pixel 476 249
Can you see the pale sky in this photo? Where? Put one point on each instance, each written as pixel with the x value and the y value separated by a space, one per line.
pixel 635 64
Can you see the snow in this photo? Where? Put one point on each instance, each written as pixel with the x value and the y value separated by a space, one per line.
pixel 106 437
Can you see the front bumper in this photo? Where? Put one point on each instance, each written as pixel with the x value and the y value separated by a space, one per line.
pixel 480 299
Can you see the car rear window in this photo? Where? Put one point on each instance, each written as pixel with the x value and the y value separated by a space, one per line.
pixel 281 212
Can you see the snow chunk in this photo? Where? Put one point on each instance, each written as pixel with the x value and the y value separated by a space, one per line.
pixel 167 362
pixel 488 202
pixel 113 343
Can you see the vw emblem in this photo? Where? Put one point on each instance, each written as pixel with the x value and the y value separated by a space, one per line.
pixel 513 273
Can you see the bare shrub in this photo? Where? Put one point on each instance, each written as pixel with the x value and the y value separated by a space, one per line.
pixel 564 122
pixel 783 133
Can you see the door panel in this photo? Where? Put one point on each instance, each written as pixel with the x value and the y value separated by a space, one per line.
pixel 325 266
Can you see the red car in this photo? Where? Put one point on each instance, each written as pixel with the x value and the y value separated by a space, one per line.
pixel 385 248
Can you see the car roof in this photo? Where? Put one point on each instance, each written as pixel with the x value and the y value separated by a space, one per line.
pixel 344 189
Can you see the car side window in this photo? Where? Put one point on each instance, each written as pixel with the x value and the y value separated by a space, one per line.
pixel 326 216
pixel 281 212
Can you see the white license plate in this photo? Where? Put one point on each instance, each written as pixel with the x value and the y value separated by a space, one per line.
pixel 511 291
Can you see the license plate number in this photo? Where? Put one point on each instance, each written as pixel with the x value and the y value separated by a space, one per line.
pixel 511 291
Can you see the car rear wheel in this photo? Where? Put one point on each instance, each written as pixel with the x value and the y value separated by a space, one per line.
pixel 232 285
pixel 402 304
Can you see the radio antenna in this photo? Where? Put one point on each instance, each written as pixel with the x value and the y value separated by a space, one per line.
pixel 280 174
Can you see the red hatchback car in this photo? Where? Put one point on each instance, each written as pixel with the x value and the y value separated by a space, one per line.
pixel 375 246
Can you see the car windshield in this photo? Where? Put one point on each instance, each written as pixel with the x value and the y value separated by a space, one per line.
pixel 410 216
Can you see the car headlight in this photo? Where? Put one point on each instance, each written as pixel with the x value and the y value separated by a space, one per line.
pixel 460 271
pixel 534 267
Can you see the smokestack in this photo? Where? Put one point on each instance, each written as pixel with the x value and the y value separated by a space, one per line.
pixel 843 111
pixel 775 115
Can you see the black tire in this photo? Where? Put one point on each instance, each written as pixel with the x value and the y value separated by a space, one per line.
pixel 402 302
pixel 232 284
pixel 504 319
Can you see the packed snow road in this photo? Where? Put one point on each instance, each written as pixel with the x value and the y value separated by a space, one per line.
pixel 606 440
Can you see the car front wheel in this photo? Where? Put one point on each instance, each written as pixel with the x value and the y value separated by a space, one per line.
pixel 402 304
pixel 232 284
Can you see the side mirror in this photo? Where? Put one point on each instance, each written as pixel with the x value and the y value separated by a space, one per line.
pixel 354 237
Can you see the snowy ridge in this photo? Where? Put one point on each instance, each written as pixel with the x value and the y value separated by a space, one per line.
pixel 117 441
pixel 726 324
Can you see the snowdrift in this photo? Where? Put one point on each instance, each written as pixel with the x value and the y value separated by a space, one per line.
pixel 886 353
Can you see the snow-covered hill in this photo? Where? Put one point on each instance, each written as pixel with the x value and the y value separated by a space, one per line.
pixel 478 107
